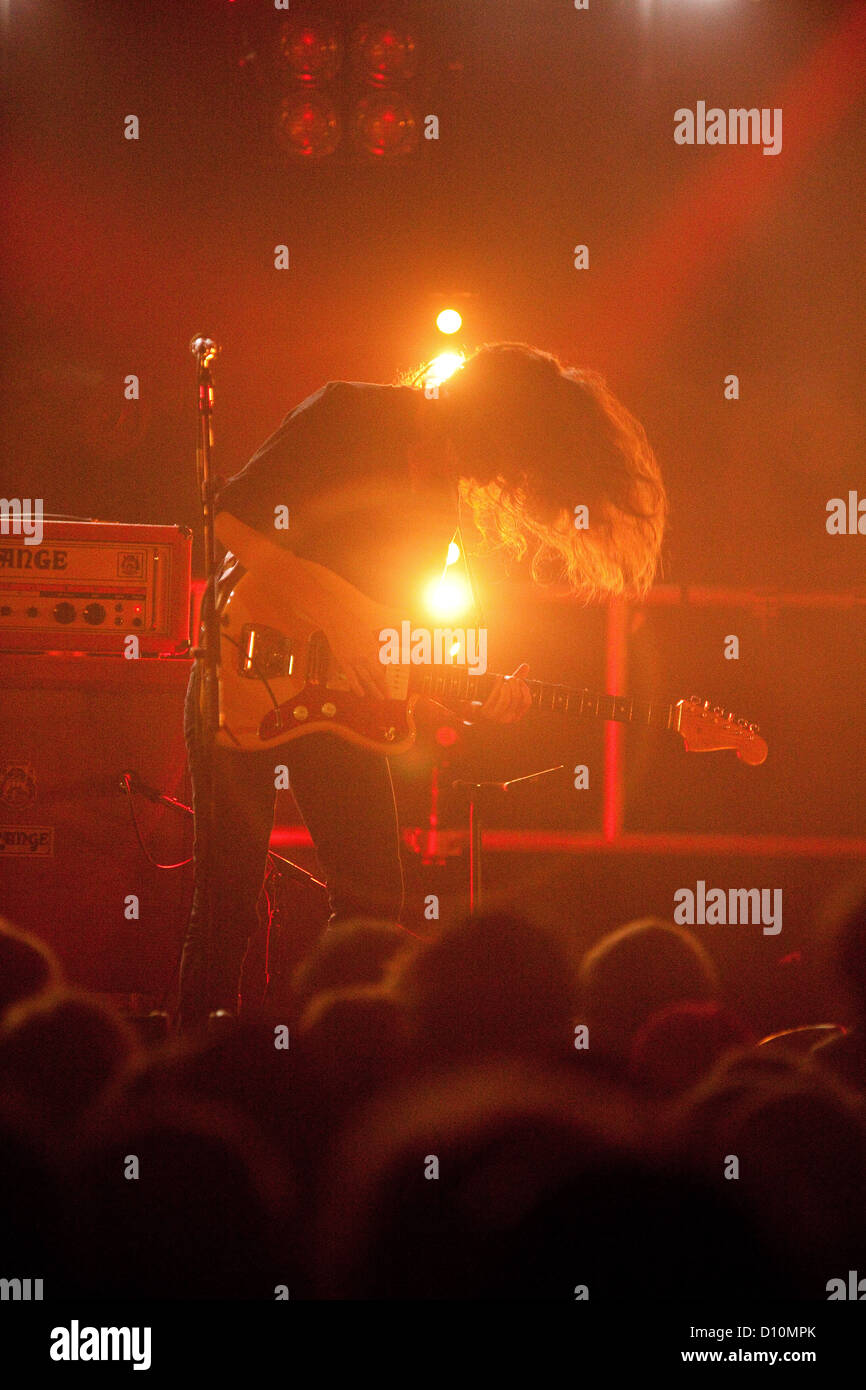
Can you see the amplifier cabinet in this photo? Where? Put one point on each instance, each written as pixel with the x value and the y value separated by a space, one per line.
pixel 71 867
pixel 89 585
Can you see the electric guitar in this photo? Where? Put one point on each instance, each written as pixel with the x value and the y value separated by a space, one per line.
pixel 281 684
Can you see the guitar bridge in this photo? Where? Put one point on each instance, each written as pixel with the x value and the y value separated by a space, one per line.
pixel 264 653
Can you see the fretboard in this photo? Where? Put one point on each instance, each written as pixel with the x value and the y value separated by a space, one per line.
pixel 447 684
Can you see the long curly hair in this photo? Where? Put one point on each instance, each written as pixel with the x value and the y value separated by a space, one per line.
pixel 534 441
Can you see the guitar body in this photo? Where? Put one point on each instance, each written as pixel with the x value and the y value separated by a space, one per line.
pixel 279 684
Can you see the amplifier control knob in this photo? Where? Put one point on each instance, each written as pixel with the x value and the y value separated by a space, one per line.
pixel 94 614
pixel 64 613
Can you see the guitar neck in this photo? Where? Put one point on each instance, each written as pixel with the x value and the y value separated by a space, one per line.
pixel 454 683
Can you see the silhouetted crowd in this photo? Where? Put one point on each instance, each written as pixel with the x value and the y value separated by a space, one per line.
pixel 467 1117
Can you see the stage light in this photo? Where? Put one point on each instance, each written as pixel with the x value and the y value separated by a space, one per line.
pixel 449 321
pixel 446 736
pixel 448 597
pixel 453 554
pixel 312 55
pixel 385 126
pixel 441 367
pixel 384 54
pixel 308 126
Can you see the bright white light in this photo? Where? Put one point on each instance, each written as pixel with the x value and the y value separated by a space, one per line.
pixel 448 321
pixel 443 366
pixel 453 554
pixel 448 597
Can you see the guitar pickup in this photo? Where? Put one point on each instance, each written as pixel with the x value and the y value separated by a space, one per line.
pixel 264 653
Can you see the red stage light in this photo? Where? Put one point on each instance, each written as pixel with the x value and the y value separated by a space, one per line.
pixel 385 126
pixel 312 55
pixel 384 54
pixel 308 126
pixel 446 736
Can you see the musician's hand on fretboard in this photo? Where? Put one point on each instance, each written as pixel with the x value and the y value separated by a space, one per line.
pixel 509 699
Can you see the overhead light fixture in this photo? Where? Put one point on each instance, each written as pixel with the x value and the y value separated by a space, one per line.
pixel 449 321
pixel 312 54
pixel 385 54
pixel 385 126
pixel 308 125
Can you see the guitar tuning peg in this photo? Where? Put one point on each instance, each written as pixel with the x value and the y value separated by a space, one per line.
pixel 706 704
pixel 694 699
pixel 717 709
pixel 753 728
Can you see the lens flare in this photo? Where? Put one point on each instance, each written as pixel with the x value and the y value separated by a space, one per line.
pixel 443 366
pixel 449 321
pixel 448 597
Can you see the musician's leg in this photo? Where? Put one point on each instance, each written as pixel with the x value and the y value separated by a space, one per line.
pixel 230 865
pixel 346 798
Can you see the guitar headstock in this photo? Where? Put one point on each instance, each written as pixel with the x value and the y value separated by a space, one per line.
pixel 706 730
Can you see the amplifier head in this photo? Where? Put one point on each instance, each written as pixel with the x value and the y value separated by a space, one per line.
pixel 88 585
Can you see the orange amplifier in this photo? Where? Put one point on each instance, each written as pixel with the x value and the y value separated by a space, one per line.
pixel 88 585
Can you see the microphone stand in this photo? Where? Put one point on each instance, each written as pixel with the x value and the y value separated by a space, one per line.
pixel 205 350
pixel 207 650
pixel 481 794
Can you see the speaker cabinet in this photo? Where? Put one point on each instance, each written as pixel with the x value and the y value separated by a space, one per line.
pixel 71 866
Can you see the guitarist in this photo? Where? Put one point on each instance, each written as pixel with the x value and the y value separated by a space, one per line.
pixel 374 480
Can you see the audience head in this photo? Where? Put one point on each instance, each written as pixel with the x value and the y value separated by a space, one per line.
pixel 60 1050
pixel 179 1198
pixel 353 1042
pixel 799 1141
pixel 490 984
pixel 358 951
pixel 500 1181
pixel 680 1044
pixel 27 966
pixel 636 970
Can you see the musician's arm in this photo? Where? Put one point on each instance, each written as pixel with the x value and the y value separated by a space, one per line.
pixel 287 585
pixel 350 622
pixel 293 583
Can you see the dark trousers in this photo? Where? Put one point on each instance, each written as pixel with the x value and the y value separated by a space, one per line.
pixel 346 799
